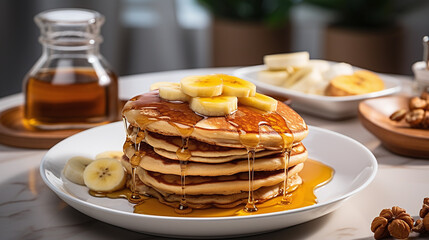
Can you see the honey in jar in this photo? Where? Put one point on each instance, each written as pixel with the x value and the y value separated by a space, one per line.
pixel 71 85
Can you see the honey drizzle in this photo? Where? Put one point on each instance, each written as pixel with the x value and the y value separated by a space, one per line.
pixel 250 205
pixel 287 144
pixel 286 191
pixel 134 197
pixel 151 102
pixel 138 136
pixel 250 139
pixel 183 154
pixel 135 161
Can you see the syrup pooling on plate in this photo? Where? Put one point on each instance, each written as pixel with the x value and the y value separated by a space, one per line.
pixel 315 174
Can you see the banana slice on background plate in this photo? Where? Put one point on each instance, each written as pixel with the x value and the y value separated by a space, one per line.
pixel 322 65
pixel 360 82
pixel 73 170
pixel 312 83
pixel 104 175
pixel 338 69
pixel 276 78
pixel 282 61
pixel 297 76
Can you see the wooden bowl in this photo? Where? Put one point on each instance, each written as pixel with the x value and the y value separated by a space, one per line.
pixel 397 137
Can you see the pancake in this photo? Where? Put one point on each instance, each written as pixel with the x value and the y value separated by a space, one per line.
pixel 180 157
pixel 173 155
pixel 197 148
pixel 150 112
pixel 224 185
pixel 215 200
pixel 206 153
pixel 151 161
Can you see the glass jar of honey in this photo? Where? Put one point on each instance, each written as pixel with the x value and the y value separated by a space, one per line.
pixel 71 85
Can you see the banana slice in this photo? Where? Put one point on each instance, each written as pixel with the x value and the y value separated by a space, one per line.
pixel 202 86
pixel 282 61
pixel 110 154
pixel 338 69
pixel 361 82
pixel 312 83
pixel 234 86
pixel 214 106
pixel 297 76
pixel 173 93
pixel 73 170
pixel 104 175
pixel 276 78
pixel 156 85
pixel 260 101
pixel 321 65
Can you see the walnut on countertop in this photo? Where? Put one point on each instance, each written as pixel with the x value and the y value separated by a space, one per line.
pixel 422 225
pixel 393 222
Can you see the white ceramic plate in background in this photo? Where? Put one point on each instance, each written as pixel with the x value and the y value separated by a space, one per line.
pixel 324 106
pixel 355 167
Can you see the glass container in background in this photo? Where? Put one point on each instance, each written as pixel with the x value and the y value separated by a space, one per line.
pixel 421 70
pixel 71 85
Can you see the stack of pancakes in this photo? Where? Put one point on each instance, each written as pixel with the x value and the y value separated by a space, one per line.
pixel 217 172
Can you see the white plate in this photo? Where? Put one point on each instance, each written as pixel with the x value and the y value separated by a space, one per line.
pixel 355 167
pixel 324 106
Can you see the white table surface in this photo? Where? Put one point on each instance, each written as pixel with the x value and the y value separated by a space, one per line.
pixel 30 210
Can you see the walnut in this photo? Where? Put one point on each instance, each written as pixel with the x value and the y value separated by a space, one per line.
pixel 419 227
pixel 398 115
pixel 422 225
pixel 424 213
pixel 415 117
pixel 417 103
pixel 393 222
pixel 379 227
pixel 417 114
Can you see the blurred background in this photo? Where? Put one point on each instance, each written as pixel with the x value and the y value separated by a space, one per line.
pixel 152 35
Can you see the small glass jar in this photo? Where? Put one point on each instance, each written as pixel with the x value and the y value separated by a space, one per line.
pixel 421 76
pixel 71 85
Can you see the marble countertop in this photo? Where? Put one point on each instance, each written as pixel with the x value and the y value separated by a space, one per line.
pixel 30 210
